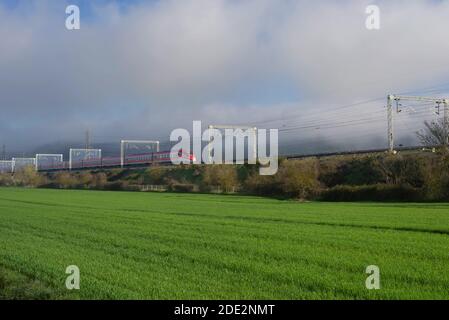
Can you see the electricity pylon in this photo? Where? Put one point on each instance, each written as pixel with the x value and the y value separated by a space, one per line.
pixel 397 98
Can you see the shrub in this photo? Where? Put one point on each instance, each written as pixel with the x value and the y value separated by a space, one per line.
pixel 358 171
pixel 329 172
pixel 262 185
pixel 65 180
pixel 379 192
pixel 224 176
pixel 436 184
pixel 28 177
pixel 299 178
pixel 399 170
pixel 154 175
pixel 6 179
pixel 100 180
pixel 86 179
pixel 295 178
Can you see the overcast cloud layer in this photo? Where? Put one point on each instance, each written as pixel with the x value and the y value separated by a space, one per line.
pixel 158 65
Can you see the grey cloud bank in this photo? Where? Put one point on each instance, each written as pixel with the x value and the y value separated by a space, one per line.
pixel 158 66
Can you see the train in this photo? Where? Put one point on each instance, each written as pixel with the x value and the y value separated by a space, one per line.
pixel 129 161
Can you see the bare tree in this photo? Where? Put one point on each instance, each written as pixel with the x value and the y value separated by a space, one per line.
pixel 435 134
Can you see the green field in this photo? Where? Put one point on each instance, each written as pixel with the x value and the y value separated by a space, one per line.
pixel 192 246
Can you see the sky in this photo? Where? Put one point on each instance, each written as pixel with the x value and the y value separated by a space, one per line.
pixel 139 69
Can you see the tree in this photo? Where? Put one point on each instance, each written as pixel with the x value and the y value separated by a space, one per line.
pixel 399 170
pixel 28 177
pixel 262 185
pixel 224 176
pixel 86 179
pixel 434 134
pixel 359 171
pixel 299 178
pixel 155 175
pixel 100 180
pixel 437 180
pixel 65 180
pixel 6 179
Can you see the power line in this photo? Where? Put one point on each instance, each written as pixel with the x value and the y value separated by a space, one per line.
pixel 333 124
pixel 335 119
pixel 398 98
pixel 342 107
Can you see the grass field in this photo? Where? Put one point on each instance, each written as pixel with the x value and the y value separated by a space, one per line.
pixel 191 246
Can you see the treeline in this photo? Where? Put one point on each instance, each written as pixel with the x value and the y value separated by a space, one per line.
pixel 380 177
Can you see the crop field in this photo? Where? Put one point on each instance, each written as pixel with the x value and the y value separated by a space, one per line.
pixel 193 246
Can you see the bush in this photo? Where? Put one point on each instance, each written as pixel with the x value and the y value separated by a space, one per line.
pixel 329 172
pixel 414 177
pixel 86 179
pixel 100 180
pixel 299 179
pixel 6 180
pixel 65 180
pixel 379 192
pixel 399 170
pixel 224 176
pixel 436 184
pixel 295 178
pixel 357 172
pixel 28 177
pixel 262 185
pixel 154 175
